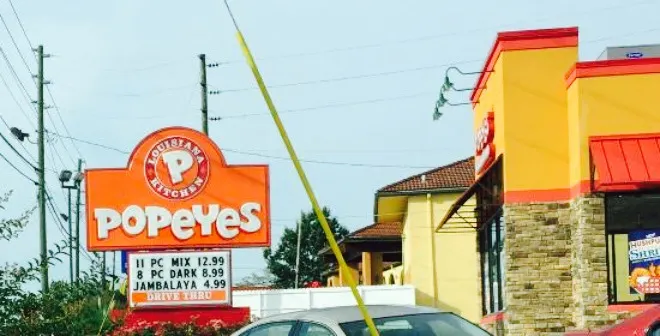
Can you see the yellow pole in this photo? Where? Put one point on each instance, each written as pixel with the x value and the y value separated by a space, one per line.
pixel 303 178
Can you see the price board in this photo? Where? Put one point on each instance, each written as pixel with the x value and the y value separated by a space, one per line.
pixel 179 278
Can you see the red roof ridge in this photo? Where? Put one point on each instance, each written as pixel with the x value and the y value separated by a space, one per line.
pixel 522 40
pixel 431 171
pixel 384 225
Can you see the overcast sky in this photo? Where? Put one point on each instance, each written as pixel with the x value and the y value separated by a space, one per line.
pixel 124 68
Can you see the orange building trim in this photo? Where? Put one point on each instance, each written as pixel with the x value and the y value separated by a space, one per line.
pixel 612 68
pixel 630 307
pixel 523 40
pixel 561 194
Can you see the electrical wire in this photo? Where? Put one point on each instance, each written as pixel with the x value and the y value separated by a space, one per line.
pixel 433 37
pixel 20 23
pixel 54 212
pixel 56 217
pixel 55 106
pixel 25 92
pixel 361 76
pixel 13 41
pixel 18 170
pixel 17 152
pixel 400 71
pixel 336 163
pixel 328 106
pixel 20 107
pixel 20 143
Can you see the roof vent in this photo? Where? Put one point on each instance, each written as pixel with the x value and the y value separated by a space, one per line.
pixel 423 177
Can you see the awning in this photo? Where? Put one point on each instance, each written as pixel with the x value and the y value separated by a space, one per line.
pixel 466 195
pixel 626 162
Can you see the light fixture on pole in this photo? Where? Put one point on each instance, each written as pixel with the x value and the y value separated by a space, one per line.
pixel 41 196
pixel 65 177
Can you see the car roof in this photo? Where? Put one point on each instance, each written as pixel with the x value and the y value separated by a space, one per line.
pixel 350 313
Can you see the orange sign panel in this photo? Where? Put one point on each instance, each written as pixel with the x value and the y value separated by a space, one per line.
pixel 177 192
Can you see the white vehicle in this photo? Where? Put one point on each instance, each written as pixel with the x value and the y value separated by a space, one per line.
pixel 348 321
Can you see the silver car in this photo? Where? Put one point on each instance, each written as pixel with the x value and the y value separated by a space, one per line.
pixel 347 321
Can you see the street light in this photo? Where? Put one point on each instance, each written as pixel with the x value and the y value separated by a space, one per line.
pixel 41 196
pixel 18 134
pixel 65 177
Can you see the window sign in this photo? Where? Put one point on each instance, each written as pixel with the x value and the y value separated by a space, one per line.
pixel 179 278
pixel 644 261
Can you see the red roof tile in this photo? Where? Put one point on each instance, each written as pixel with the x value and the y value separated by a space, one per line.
pixel 379 230
pixel 459 174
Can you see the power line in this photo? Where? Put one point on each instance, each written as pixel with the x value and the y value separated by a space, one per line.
pixel 26 94
pixel 145 93
pixel 337 163
pixel 20 143
pixel 328 106
pixel 17 152
pixel 310 108
pixel 56 216
pixel 400 71
pixel 20 23
pixel 18 170
pixel 433 37
pixel 20 107
pixel 59 114
pixel 54 212
pixel 345 78
pixel 13 41
pixel 92 143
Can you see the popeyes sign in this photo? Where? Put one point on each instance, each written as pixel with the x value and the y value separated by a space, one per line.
pixel 177 192
pixel 484 138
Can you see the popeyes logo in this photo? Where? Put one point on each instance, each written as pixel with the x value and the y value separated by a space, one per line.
pixel 177 192
pixel 176 168
pixel 485 148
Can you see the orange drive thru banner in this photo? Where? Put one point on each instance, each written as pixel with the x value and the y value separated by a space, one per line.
pixel 177 192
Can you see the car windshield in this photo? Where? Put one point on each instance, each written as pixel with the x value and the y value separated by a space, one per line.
pixel 435 324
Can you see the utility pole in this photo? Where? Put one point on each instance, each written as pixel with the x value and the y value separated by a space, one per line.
pixel 114 269
pixel 43 243
pixel 103 271
pixel 202 82
pixel 78 226
pixel 298 253
pixel 70 220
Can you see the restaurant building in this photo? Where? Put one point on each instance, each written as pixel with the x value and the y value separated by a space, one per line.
pixel 405 245
pixel 567 185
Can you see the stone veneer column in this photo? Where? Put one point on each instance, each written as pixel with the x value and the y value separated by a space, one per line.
pixel 538 292
pixel 589 260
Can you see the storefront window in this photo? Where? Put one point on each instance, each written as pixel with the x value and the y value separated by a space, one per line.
pixel 633 247
pixel 492 257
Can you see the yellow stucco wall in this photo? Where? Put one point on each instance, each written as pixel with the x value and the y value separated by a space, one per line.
pixel 612 105
pixel 527 93
pixel 452 283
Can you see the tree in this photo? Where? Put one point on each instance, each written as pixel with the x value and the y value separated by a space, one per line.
pixel 282 262
pixel 67 309
pixel 10 228
pixel 257 279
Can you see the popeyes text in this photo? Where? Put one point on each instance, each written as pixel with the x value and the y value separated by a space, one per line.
pixel 177 192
